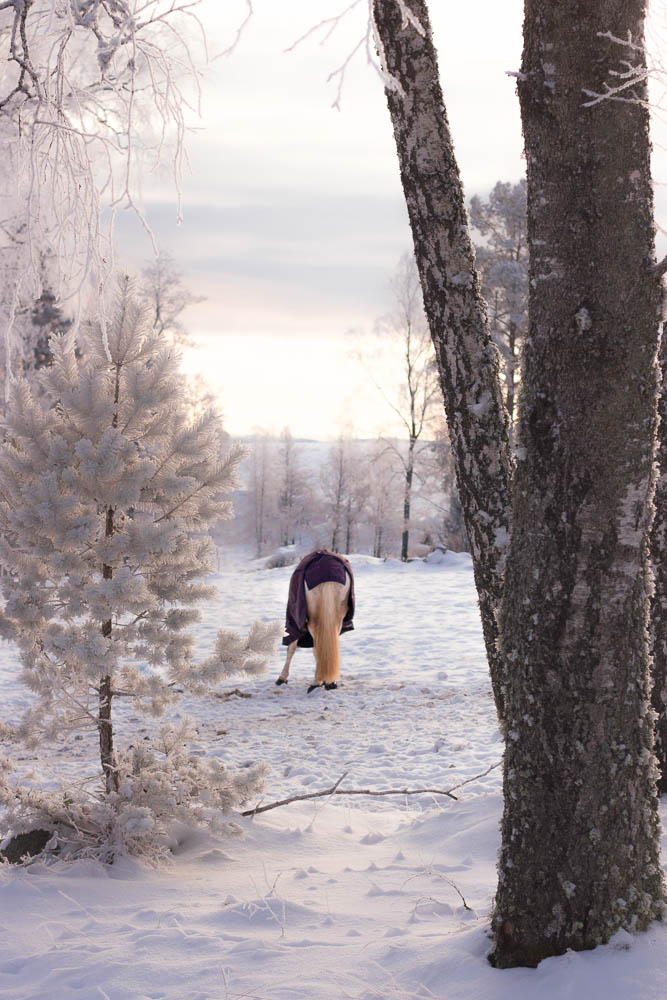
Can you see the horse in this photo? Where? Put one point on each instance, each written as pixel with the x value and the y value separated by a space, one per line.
pixel 325 580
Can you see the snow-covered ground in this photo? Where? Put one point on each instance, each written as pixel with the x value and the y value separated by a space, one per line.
pixel 372 898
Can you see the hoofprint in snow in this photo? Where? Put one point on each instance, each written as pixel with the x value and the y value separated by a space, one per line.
pixel 372 898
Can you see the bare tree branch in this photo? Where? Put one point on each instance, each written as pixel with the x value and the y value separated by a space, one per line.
pixel 80 82
pixel 335 790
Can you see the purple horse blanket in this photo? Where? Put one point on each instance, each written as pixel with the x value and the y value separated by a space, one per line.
pixel 318 567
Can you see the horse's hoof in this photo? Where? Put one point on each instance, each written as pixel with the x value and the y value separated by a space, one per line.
pixel 313 687
pixel 281 680
pixel 330 687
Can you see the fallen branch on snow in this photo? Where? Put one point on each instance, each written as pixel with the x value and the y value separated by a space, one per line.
pixel 335 790
pixel 235 692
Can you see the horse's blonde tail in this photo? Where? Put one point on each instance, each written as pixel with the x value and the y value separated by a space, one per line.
pixel 327 604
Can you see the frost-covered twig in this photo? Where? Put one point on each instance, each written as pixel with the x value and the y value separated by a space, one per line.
pixel 340 73
pixel 369 41
pixel 327 24
pixel 630 76
pixel 239 31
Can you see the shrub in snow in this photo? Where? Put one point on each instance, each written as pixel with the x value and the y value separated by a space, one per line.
pixel 107 492
pixel 160 783
pixel 284 556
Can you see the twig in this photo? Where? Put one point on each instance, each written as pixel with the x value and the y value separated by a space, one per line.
pixel 660 268
pixel 335 790
pixel 476 776
pixel 295 798
pixel 230 694
pixel 432 873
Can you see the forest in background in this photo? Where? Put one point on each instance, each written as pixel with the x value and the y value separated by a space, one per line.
pixel 346 495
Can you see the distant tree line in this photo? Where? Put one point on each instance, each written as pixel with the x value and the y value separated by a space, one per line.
pixel 347 495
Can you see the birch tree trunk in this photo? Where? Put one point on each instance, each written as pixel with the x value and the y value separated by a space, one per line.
pixel 407 499
pixel 348 526
pixel 467 358
pixel 580 832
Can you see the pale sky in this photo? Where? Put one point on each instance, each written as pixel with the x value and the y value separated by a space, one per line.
pixel 293 212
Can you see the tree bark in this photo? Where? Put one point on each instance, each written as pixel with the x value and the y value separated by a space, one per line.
pixel 466 356
pixel 377 546
pixel 659 599
pixel 105 724
pixel 511 372
pixel 580 834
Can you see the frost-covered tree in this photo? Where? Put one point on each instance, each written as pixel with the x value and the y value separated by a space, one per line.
pixel 46 320
pixel 335 482
pixel 92 92
pixel 502 262
pixel 293 489
pixel 162 288
pixel 356 499
pixel 262 490
pixel 165 292
pixel 418 390
pixel 107 491
pixel 383 501
pixel 345 490
pixel 439 491
pixel 36 312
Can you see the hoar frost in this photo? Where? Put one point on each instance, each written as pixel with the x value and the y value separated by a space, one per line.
pixel 107 492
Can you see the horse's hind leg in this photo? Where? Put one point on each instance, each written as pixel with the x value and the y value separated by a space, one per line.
pixel 284 676
pixel 316 683
pixel 326 604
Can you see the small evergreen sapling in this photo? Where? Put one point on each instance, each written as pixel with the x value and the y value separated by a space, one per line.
pixel 107 492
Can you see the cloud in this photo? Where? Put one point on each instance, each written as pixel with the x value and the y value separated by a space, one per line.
pixel 283 252
pixel 294 217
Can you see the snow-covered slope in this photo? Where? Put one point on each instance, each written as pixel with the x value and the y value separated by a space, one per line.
pixel 371 898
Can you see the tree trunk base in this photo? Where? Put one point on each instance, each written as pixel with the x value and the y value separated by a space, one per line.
pixel 25 845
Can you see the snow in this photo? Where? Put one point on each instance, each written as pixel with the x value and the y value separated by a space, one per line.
pixel 371 898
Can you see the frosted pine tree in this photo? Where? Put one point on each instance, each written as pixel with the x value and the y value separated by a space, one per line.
pixel 107 491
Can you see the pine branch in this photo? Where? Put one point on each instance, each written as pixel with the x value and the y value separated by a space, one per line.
pixel 335 790
pixel 229 463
